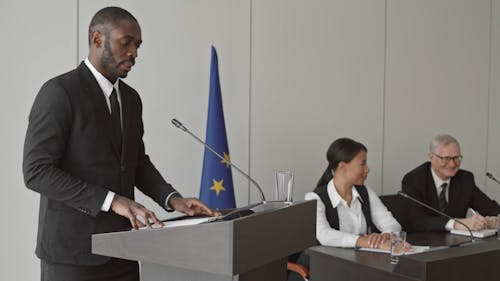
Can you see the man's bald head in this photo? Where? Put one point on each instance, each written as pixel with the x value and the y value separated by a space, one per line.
pixel 114 38
pixel 107 17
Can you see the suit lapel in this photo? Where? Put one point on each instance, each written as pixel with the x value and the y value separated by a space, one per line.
pixel 453 193
pixel 101 109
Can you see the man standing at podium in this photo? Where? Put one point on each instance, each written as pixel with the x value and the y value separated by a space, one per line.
pixel 84 154
pixel 441 184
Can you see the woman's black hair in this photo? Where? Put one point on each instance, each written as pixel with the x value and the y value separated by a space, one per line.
pixel 341 150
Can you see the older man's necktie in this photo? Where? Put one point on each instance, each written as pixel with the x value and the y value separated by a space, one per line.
pixel 442 197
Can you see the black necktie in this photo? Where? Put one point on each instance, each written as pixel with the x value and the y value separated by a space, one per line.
pixel 115 118
pixel 442 197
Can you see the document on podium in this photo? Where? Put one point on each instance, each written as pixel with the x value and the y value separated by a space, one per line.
pixel 476 233
pixel 189 221
pixel 184 221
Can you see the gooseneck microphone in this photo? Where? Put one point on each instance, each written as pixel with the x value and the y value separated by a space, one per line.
pixel 179 125
pixel 401 193
pixel 490 175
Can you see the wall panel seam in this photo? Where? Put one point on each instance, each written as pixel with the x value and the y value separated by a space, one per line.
pixel 383 101
pixel 77 31
pixel 488 123
pixel 250 100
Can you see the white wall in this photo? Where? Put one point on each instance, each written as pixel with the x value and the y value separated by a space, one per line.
pixel 317 75
pixel 295 75
pixel 35 47
pixel 437 71
pixel 493 149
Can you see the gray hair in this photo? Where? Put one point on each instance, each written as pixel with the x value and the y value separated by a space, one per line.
pixel 443 139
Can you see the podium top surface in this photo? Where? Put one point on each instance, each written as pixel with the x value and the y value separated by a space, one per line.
pixel 225 247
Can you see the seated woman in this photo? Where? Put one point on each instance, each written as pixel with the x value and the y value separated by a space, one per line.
pixel 347 210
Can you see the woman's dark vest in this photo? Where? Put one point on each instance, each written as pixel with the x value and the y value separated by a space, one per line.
pixel 332 214
pixel 333 218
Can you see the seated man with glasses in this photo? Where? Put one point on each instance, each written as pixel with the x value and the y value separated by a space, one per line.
pixel 441 184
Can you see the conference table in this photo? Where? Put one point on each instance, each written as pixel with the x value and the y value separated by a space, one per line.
pixel 451 257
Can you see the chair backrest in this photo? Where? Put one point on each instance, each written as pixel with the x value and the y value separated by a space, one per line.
pixel 297 272
pixel 394 204
pixel 298 267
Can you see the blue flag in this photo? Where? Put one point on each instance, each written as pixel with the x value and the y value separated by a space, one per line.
pixel 216 181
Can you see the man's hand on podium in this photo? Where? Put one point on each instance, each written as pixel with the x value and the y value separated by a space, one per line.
pixel 191 207
pixel 138 215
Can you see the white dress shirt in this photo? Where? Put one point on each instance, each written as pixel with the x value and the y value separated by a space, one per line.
pixel 107 89
pixel 352 222
pixel 438 181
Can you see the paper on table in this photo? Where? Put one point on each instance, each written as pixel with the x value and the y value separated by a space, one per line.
pixel 476 233
pixel 416 250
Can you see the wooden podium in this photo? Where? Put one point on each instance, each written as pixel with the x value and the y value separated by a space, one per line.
pixel 254 247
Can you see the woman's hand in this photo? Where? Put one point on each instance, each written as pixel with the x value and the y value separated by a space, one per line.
pixel 379 241
pixel 375 240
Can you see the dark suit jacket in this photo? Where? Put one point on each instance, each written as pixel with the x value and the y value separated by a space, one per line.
pixel 462 194
pixel 71 159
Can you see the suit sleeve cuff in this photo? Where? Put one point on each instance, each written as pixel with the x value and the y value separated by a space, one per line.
pixel 167 205
pixel 107 201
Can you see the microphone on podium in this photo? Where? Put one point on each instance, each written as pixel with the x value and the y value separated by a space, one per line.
pixel 490 175
pixel 401 193
pixel 179 125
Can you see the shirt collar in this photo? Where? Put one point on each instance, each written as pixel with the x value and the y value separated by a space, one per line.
pixel 335 196
pixel 437 180
pixel 103 82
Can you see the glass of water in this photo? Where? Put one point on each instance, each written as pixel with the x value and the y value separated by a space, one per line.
pixel 284 185
pixel 398 241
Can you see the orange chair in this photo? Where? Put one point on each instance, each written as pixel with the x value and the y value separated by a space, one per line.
pixel 298 267
pixel 297 271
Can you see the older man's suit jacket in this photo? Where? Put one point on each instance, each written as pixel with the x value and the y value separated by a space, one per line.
pixel 462 194
pixel 72 160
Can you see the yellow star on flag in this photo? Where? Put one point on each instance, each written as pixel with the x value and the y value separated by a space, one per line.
pixel 226 160
pixel 217 186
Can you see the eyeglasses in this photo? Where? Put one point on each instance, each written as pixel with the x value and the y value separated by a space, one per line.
pixel 447 159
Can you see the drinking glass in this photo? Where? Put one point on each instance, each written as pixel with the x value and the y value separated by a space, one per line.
pixel 398 240
pixel 284 185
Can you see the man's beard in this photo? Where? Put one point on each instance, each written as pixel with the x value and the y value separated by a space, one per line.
pixel 109 62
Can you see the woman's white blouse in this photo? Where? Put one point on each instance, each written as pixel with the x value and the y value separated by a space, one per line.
pixel 352 223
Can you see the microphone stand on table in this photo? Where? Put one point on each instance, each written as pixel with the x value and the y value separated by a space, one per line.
pixel 437 211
